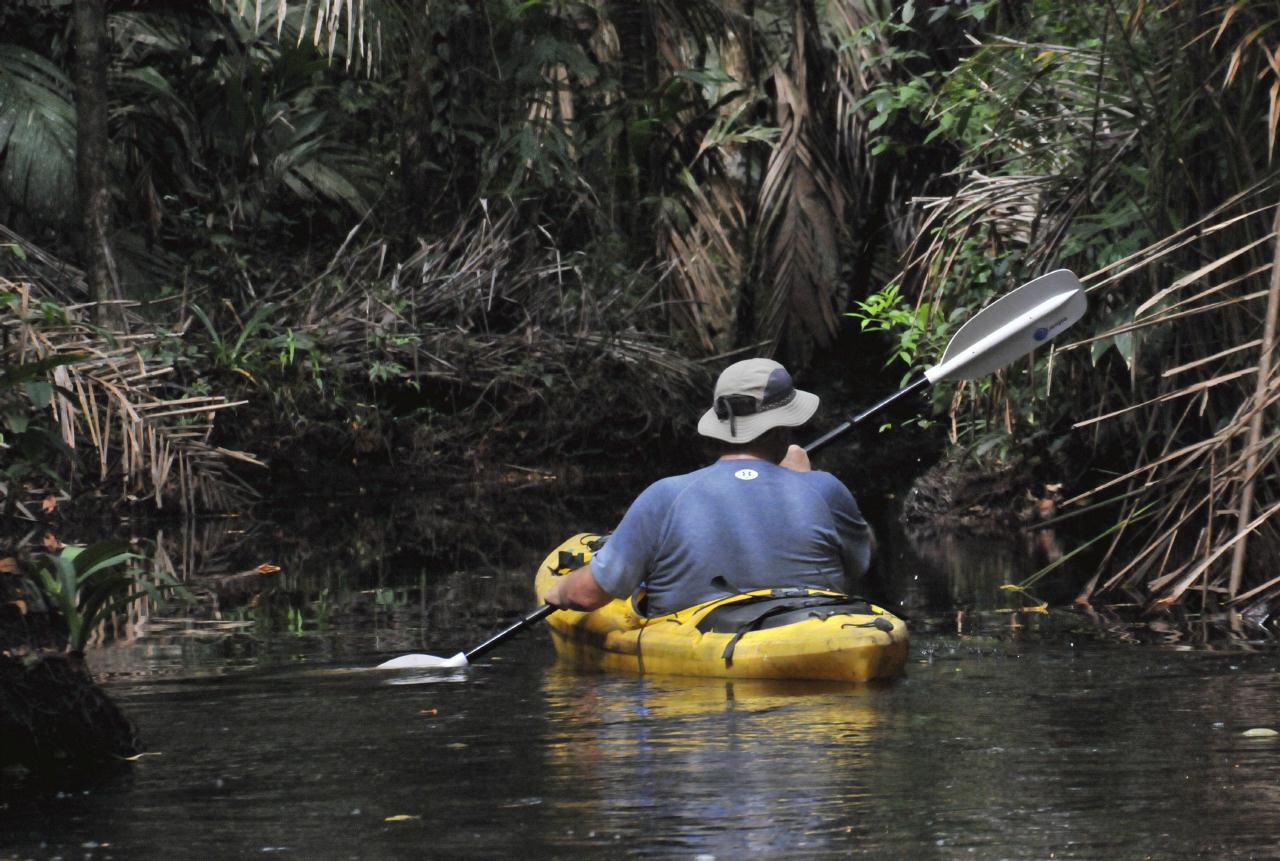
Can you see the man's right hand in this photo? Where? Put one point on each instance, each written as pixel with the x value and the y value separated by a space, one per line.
pixel 796 458
pixel 577 590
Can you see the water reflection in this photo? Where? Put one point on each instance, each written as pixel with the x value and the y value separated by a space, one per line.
pixel 943 570
pixel 326 581
pixel 427 677
pixel 438 572
pixel 722 769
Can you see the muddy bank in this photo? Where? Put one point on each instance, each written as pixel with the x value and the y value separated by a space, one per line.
pixel 962 493
pixel 53 718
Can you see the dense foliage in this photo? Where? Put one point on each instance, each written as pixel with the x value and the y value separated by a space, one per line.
pixel 1133 145
pixel 509 232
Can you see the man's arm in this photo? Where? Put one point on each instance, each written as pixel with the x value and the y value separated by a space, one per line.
pixel 577 590
pixel 857 539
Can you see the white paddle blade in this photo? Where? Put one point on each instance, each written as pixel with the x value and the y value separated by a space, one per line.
pixel 423 662
pixel 1012 326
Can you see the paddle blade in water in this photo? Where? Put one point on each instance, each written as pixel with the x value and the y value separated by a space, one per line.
pixel 423 662
pixel 1011 327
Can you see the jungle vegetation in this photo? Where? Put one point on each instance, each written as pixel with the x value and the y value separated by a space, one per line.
pixel 238 231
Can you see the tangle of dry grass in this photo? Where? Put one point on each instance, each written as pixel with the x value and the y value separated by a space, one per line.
pixel 117 410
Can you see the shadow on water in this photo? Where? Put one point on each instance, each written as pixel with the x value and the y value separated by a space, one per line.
pixel 1013 734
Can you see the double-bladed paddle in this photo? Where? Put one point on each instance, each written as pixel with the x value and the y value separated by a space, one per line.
pixel 1007 329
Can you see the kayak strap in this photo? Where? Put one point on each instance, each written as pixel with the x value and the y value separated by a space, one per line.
pixel 778 608
pixel 569 561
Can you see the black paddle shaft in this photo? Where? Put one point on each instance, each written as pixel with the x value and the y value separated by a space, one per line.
pixel 843 427
pixel 536 616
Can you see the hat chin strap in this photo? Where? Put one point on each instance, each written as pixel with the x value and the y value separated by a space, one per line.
pixel 724 405
pixel 746 406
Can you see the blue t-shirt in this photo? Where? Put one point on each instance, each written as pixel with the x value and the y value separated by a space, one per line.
pixel 731 527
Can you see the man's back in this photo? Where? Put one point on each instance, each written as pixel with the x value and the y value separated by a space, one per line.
pixel 736 525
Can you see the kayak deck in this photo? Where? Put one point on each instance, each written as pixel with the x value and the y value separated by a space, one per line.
pixel 765 634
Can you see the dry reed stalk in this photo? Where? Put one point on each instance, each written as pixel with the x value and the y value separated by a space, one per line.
pixel 1235 458
pixel 1265 379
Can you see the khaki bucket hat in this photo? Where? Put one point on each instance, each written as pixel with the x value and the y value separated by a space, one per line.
pixel 753 396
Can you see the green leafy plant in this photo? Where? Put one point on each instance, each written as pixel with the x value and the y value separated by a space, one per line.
pixel 87 585
pixel 236 351
pixel 915 328
pixel 30 442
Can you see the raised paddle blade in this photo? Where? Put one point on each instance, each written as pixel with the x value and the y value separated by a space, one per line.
pixel 1011 327
pixel 423 662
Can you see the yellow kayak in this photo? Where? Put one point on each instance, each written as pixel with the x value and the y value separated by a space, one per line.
pixel 787 633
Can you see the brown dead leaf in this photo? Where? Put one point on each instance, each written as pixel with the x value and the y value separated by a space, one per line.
pixel 1042 607
pixel 8 565
pixel 21 605
pixel 267 568
pixel 429 712
pixel 48 504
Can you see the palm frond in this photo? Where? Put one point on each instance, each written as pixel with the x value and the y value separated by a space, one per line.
pixel 322 23
pixel 37 134
pixel 700 238
pixel 314 166
pixel 801 217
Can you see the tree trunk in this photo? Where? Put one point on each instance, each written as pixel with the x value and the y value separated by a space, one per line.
pixel 413 123
pixel 92 193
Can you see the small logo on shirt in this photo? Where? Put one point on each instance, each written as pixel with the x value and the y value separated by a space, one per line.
pixel 746 474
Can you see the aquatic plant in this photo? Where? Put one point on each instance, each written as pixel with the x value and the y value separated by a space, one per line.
pixel 86 586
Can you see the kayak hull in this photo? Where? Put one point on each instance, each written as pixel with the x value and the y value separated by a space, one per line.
pixel 837 646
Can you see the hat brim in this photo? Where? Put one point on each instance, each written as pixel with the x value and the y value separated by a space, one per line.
pixel 794 414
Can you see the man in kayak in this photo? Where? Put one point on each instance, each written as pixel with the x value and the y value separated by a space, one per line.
pixel 757 518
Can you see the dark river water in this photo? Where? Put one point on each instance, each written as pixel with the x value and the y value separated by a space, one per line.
pixel 1011 735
